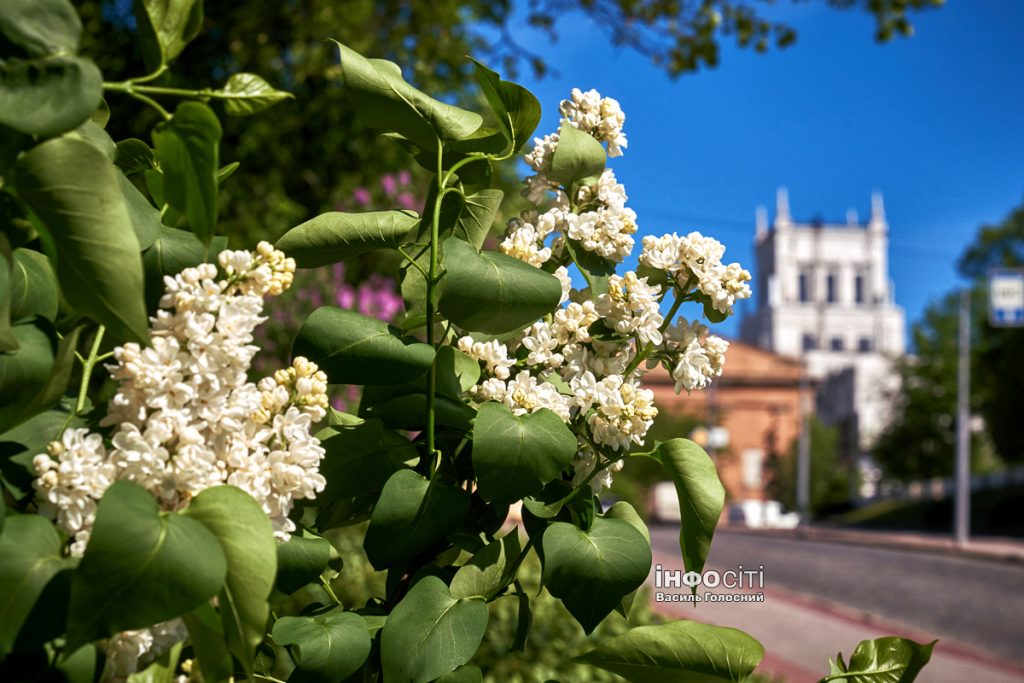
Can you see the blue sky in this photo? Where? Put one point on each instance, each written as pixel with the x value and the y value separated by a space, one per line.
pixel 935 122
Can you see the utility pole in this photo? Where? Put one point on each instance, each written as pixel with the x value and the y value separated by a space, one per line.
pixel 962 504
pixel 803 455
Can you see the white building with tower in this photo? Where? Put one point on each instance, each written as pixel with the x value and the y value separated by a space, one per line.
pixel 824 294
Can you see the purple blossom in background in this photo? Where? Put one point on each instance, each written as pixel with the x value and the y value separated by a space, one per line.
pixel 376 296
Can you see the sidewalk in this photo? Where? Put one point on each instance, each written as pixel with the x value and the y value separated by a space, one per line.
pixel 984 547
pixel 799 634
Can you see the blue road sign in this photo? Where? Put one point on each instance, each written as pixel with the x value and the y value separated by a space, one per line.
pixel 1006 297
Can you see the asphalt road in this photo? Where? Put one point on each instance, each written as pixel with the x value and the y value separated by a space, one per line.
pixel 978 603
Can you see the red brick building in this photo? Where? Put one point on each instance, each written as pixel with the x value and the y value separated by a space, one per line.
pixel 756 401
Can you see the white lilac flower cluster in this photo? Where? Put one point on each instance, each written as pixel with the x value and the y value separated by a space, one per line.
pixel 700 356
pixel 696 261
pixel 597 217
pixel 186 418
pixel 581 362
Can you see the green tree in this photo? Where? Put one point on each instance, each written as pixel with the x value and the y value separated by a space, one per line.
pixel 311 154
pixel 920 442
pixel 830 483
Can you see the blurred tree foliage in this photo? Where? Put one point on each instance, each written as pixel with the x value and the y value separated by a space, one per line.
pixel 830 479
pixel 921 440
pixel 309 155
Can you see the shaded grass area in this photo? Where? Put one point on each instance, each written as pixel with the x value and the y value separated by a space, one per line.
pixel 998 513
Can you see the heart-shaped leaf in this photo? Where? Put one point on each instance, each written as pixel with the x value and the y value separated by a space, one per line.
pixel 30 556
pixel 591 571
pixel 49 95
pixel 578 158
pixel 431 633
pixel 141 567
pixel 356 349
pixel 23 371
pixel 678 652
pixel 411 515
pixel 166 27
pixel 883 660
pixel 74 189
pixel 516 455
pixel 360 458
pixel 515 107
pixel 701 496
pixel 493 293
pixel 33 286
pixel 301 560
pixel 245 94
pixel 491 569
pixel 326 647
pixel 247 538
pixel 41 27
pixel 187 147
pixel 383 100
pixel 335 236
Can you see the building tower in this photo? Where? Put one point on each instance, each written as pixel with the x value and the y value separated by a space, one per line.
pixel 823 293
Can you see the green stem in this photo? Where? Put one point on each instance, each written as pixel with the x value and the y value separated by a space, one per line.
pixel 330 591
pixel 87 369
pixel 412 262
pixel 435 223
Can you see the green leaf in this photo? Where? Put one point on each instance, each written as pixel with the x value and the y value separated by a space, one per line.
pixel 515 456
pixel 701 496
pixel 464 674
pixel 383 100
pixel 172 252
pixel 48 95
pixel 301 560
pixel 227 171
pixel 493 293
pixel 41 27
pixel 410 410
pixel 595 268
pixel 591 571
pixel 335 236
pixel 141 567
pixel 161 670
pixel 166 27
pixel 8 342
pixel 491 569
pixel 33 286
pixel 678 652
pixel 23 372
pixel 144 217
pixel 361 458
pixel 94 134
pixel 476 216
pixel 883 660
pixel 247 538
pixel 210 644
pixel 431 633
pixel 245 94
pixel 74 189
pixel 187 148
pixel 411 515
pixel 577 159
pixel 18 446
pixel 627 513
pixel 134 156
pixel 48 392
pixel 515 107
pixel 356 349
pixel 327 647
pixel 30 556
